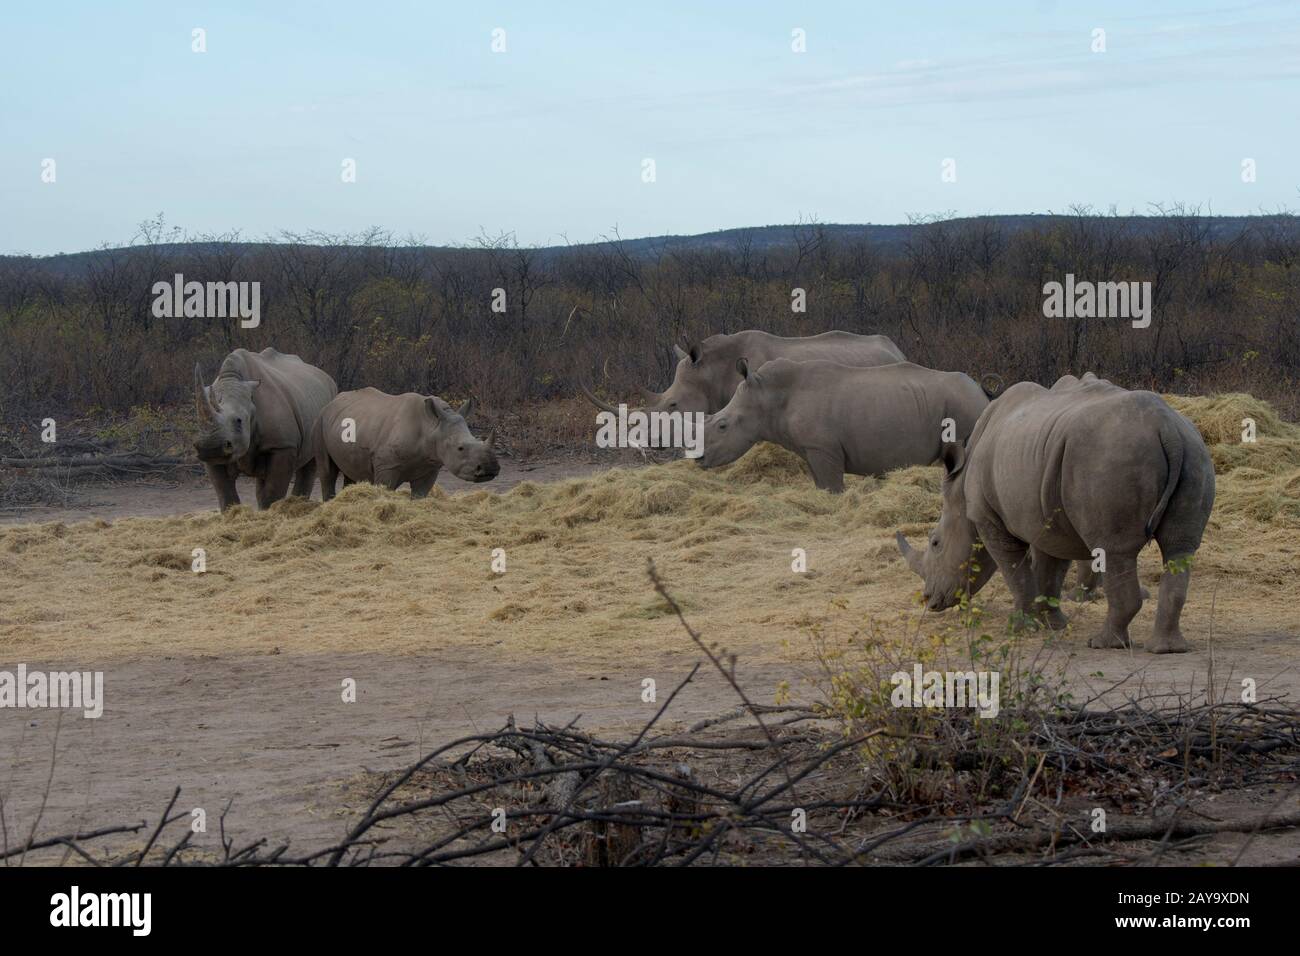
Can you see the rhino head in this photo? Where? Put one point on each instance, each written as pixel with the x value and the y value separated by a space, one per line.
pixel 702 382
pixel 734 430
pixel 226 418
pixel 955 563
pixel 448 440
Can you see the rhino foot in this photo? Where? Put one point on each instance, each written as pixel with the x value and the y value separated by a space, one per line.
pixel 1055 619
pixel 1108 639
pixel 1021 622
pixel 1082 595
pixel 1173 643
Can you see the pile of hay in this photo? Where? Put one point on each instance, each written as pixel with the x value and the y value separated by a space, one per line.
pixel 376 570
pixel 1259 479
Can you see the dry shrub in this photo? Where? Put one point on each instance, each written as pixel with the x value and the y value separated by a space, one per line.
pixel 541 428
pixel 935 757
pixel 370 310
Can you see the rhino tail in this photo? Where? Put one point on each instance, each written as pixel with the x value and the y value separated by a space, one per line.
pixel 1172 443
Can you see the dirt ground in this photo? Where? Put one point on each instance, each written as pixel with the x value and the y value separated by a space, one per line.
pixel 188 493
pixel 233 691
pixel 270 735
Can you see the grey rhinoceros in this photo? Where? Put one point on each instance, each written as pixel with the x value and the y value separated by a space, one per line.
pixel 839 418
pixel 256 419
pixel 706 375
pixel 369 435
pixel 1061 473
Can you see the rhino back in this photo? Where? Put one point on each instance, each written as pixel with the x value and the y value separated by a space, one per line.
pixel 1081 466
pixel 388 431
pixel 289 398
pixel 882 417
pixel 845 348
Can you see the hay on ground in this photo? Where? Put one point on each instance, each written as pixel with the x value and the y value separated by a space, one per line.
pixel 376 570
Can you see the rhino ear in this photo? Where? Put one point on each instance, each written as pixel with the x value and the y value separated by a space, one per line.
pixel 464 410
pixel 680 352
pixel 742 366
pixel 695 354
pixel 953 457
pixel 431 404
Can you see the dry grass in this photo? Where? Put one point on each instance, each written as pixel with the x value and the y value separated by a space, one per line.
pixel 375 570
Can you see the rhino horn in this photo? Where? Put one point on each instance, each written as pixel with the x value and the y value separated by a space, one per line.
pixel 492 437
pixel 910 554
pixel 603 406
pixel 650 397
pixel 201 402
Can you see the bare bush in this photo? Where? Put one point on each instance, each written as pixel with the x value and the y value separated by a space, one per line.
pixel 955 294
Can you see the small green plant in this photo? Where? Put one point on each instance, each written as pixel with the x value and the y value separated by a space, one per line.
pixel 930 757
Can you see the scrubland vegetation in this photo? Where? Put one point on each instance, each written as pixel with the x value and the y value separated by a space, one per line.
pixel 372 310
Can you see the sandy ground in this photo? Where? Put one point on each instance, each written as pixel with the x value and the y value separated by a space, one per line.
pixel 270 733
pixel 228 684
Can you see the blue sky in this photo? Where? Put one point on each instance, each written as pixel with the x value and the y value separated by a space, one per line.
pixel 547 139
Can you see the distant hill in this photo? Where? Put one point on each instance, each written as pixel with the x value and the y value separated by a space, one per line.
pixel 888 239
pixel 893 237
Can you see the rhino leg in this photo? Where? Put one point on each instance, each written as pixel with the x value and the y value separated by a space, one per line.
pixel 223 480
pixel 274 483
pixel 1049 576
pixel 420 487
pixel 1012 558
pixel 1092 583
pixel 828 470
pixel 1089 583
pixel 302 482
pixel 328 472
pixel 1123 601
pixel 387 478
pixel 1167 638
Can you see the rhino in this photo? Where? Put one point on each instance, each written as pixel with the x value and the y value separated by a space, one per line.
pixel 706 375
pixel 256 419
pixel 840 418
pixel 396 439
pixel 1050 475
